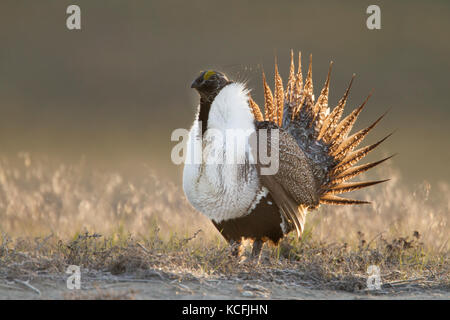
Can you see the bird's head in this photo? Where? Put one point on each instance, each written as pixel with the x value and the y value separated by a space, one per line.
pixel 209 83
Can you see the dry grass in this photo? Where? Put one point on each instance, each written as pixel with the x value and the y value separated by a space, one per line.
pixel 148 230
pixel 403 261
pixel 39 197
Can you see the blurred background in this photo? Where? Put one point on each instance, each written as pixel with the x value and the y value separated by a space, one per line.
pixel 115 90
pixel 112 93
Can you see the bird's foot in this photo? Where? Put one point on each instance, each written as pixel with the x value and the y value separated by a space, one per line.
pixel 236 249
pixel 255 256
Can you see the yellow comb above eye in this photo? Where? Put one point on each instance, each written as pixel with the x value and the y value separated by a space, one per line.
pixel 208 74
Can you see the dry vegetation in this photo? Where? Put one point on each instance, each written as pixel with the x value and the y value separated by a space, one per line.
pixel 52 216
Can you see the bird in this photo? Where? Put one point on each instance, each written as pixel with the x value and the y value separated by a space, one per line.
pixel 316 156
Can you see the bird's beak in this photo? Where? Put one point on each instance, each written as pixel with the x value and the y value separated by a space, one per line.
pixel 196 84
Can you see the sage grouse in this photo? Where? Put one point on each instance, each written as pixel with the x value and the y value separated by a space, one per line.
pixel 316 156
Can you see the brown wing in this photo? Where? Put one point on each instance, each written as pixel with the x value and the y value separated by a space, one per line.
pixel 292 213
pixel 293 186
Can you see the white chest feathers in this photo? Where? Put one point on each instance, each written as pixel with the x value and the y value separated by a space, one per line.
pixel 217 178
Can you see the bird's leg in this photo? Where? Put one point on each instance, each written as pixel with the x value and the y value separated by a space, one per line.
pixel 256 250
pixel 236 248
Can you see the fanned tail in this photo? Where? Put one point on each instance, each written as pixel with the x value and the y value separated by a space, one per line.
pixel 320 133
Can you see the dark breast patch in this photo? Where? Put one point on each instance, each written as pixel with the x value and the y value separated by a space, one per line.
pixel 263 223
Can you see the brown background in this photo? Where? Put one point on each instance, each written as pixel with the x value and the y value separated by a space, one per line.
pixel 115 90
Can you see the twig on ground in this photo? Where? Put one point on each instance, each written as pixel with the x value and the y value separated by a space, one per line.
pixel 28 285
pixel 400 282
pixel 142 247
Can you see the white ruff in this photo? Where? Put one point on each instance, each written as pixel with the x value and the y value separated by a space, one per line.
pixel 223 191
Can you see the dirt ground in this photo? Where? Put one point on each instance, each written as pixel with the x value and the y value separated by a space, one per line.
pixel 159 285
pixel 180 269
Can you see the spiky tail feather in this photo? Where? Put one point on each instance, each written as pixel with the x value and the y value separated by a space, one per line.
pixel 321 134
